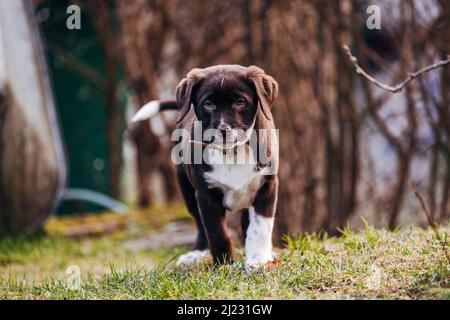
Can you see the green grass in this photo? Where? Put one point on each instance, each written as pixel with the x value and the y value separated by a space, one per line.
pixel 370 264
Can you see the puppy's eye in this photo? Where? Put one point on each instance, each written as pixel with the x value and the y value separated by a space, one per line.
pixel 209 106
pixel 240 103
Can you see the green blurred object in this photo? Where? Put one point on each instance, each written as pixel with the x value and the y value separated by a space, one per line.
pixel 77 67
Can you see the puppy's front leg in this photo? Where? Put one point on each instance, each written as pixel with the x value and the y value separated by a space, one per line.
pixel 213 218
pixel 258 242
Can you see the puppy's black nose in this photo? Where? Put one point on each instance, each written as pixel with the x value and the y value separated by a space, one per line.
pixel 224 127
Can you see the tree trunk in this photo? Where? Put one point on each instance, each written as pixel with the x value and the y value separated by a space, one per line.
pixel 399 191
pixel 142 44
pixel 102 19
pixel 32 170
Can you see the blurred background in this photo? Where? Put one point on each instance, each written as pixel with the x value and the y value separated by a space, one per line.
pixel 348 149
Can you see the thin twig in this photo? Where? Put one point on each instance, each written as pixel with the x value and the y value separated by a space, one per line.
pixel 210 145
pixel 198 143
pixel 432 223
pixel 207 145
pixel 398 87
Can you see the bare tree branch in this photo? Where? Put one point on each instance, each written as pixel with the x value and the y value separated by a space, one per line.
pixel 77 65
pixel 398 87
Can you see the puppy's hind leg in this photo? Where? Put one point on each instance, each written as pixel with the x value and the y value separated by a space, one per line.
pixel 200 248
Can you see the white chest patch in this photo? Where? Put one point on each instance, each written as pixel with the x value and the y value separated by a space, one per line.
pixel 234 173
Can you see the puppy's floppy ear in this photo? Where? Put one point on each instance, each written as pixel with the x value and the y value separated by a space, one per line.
pixel 266 88
pixel 184 92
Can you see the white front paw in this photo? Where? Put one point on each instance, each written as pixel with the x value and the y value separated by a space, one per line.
pixel 192 257
pixel 258 262
pixel 258 242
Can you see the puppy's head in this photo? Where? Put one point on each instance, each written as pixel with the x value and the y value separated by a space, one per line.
pixel 227 98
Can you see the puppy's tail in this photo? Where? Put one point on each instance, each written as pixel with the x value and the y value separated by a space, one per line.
pixel 152 108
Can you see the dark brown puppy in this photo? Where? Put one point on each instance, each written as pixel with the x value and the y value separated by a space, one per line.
pixel 233 106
